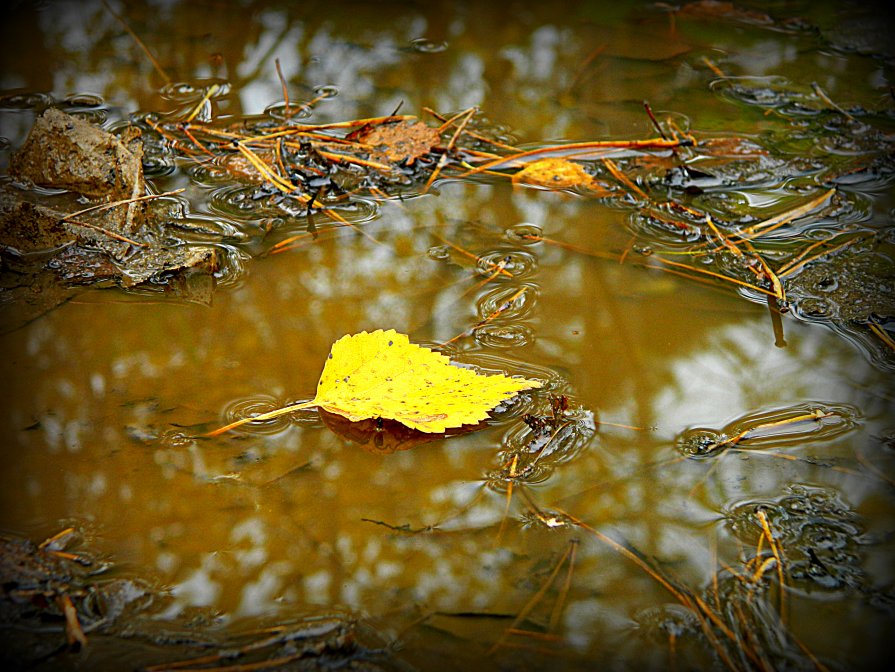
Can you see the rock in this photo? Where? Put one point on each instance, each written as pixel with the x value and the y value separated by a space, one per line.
pixel 65 152
pixel 51 245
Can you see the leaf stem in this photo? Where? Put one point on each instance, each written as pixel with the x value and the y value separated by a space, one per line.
pixel 260 418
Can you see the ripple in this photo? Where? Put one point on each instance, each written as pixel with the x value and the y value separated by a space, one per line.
pixel 503 336
pixel 243 202
pixel 327 91
pixel 795 425
pixel 178 91
pixel 819 533
pixel 667 232
pixel 509 302
pixel 518 263
pixel 771 91
pixel 523 233
pixel 700 442
pixel 535 447
pixel 189 91
pixel 262 403
pixel 424 45
pixel 439 253
pixel 26 101
pixel 278 111
pixel 85 99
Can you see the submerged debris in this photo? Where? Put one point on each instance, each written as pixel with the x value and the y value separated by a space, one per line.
pixel 55 596
pixel 54 600
pixel 51 243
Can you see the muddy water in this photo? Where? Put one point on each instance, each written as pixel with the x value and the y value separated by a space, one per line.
pixel 102 395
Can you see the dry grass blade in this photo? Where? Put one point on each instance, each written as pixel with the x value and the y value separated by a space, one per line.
pixel 201 105
pixel 624 179
pixel 724 239
pixel 794 266
pixel 442 161
pixel 509 500
pixel 816 415
pixel 882 334
pixel 469 255
pixel 106 232
pixel 535 599
pixel 824 97
pixel 597 148
pixel 126 201
pixel 741 633
pixel 783 218
pixel 282 79
pixel 265 171
pixel 719 276
pixel 495 313
pixel 472 134
pixel 778 558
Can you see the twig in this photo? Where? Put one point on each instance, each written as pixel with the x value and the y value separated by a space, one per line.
pixel 140 44
pixel 106 232
pixel 115 204
pixel 287 111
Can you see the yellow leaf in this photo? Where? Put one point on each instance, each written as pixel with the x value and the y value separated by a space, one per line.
pixel 554 173
pixel 383 375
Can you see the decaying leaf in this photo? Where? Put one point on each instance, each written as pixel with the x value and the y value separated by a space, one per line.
pixel 398 141
pixel 383 375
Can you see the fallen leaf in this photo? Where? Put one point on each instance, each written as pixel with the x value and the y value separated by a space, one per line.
pixel 557 173
pixel 383 375
pixel 398 141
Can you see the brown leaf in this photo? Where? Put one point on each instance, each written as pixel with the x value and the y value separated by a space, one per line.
pixel 398 141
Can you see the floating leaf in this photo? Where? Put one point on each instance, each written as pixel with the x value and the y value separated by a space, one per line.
pixel 383 375
pixel 558 173
pixel 554 173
